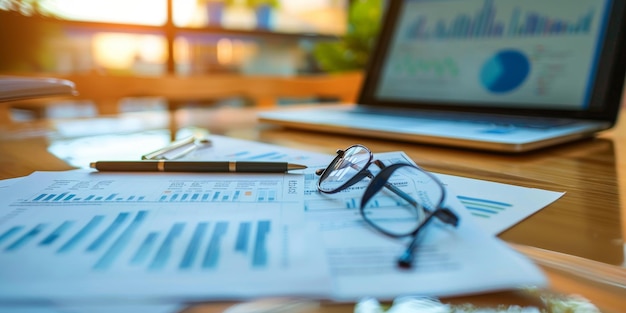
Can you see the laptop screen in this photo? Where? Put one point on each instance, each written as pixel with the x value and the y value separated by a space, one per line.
pixel 533 55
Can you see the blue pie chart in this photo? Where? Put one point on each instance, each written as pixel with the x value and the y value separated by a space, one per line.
pixel 505 71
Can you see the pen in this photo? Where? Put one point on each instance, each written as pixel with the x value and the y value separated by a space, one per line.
pixel 192 166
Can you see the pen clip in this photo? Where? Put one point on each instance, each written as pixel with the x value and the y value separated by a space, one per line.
pixel 161 154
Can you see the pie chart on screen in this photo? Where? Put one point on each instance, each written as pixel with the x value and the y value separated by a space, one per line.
pixel 505 71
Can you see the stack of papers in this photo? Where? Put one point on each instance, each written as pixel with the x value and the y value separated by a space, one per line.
pixel 191 236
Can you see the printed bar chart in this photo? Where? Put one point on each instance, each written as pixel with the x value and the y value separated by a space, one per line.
pixel 194 245
pixel 58 232
pixel 165 250
pixel 144 249
pixel 65 198
pixel 105 191
pixel 484 208
pixel 212 253
pixel 260 245
pixel 82 233
pixel 25 238
pixel 121 242
pixel 127 239
pixel 205 195
pixel 242 237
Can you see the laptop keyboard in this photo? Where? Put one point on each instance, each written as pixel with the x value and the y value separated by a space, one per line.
pixel 492 120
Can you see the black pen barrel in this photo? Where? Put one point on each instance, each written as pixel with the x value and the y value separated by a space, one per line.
pixel 121 166
pixel 187 166
pixel 261 167
pixel 190 166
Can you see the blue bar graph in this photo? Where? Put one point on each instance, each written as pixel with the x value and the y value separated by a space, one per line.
pixel 117 223
pixel 194 245
pixel 127 239
pixel 483 24
pixel 58 232
pixel 241 245
pixel 165 251
pixel 10 232
pixel 217 196
pixel 484 208
pixel 259 257
pixel 120 243
pixel 59 197
pixel 27 237
pixel 70 244
pixel 144 249
pixel 213 249
pixel 74 197
pixel 238 154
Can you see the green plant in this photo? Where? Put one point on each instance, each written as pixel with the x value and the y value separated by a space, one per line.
pixel 258 3
pixel 353 50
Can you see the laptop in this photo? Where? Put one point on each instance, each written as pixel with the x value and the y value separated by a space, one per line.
pixel 497 75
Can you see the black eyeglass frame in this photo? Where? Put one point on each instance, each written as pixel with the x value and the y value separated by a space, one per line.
pixel 380 181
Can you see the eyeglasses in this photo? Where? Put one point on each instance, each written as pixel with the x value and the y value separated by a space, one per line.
pixel 398 201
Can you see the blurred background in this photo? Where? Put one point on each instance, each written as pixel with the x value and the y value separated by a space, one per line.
pixel 186 38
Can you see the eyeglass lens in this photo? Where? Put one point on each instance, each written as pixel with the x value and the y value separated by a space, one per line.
pixel 344 167
pixel 389 209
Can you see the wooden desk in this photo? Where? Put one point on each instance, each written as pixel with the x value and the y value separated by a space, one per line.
pixel 106 91
pixel 584 230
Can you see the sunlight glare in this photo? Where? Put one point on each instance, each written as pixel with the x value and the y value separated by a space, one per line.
pixel 145 12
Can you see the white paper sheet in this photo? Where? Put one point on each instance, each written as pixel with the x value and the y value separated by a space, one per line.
pixel 450 261
pixel 362 262
pixel 81 234
pixel 495 206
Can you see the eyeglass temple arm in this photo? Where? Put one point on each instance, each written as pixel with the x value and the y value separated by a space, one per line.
pixel 386 184
pixel 406 259
pixel 443 214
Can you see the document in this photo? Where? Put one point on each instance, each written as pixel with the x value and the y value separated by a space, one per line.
pixel 86 235
pixel 495 207
pixel 181 237
pixel 449 262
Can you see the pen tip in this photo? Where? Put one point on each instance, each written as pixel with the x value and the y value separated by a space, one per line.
pixel 296 166
pixel 92 164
